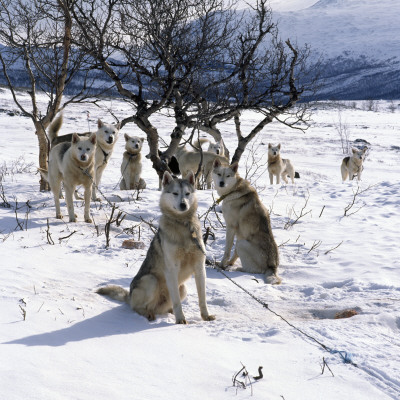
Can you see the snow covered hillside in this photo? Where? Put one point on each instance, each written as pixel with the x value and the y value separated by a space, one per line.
pixel 358 40
pixel 60 340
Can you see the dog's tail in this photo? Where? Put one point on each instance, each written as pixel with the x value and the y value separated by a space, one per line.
pixel 44 173
pixel 54 127
pixel 199 142
pixel 115 292
pixel 272 278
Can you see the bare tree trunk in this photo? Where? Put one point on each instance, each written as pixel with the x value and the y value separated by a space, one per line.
pixel 43 153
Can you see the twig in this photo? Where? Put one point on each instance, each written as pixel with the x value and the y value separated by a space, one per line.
pixel 325 364
pixel 23 311
pixel 49 238
pixel 66 237
pixel 315 245
pixel 333 248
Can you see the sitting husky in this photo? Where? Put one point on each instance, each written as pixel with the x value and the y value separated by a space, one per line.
pixel 248 220
pixel 107 135
pixel 190 160
pixel 278 166
pixel 131 167
pixel 175 253
pixel 353 165
pixel 73 164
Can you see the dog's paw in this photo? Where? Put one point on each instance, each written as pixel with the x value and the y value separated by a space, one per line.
pixel 72 219
pixel 208 317
pixel 88 220
pixel 181 321
pixel 59 216
pixel 151 316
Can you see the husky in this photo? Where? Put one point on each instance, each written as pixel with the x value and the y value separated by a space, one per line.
pixel 131 167
pixel 278 166
pixel 107 135
pixel 190 160
pixel 73 164
pixel 353 165
pixel 176 252
pixel 217 147
pixel 248 220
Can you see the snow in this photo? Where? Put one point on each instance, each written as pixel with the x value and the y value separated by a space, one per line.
pixel 344 27
pixel 75 344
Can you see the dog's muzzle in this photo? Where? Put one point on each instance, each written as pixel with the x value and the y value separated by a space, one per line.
pixel 84 157
pixel 183 206
pixel 110 140
pixel 221 184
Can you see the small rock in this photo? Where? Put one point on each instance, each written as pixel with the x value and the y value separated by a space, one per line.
pixel 345 314
pixel 132 244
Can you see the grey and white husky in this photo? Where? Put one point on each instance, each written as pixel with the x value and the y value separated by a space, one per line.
pixel 175 253
pixel 106 134
pixel 353 165
pixel 73 164
pixel 248 220
pixel 131 167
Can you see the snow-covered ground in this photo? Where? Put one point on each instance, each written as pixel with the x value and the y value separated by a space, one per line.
pixel 60 340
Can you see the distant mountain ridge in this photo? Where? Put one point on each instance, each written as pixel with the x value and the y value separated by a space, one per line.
pixel 358 41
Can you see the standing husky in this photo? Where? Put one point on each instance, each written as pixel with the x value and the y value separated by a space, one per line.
pixel 353 165
pixel 131 167
pixel 73 164
pixel 175 253
pixel 107 135
pixel 248 220
pixel 190 160
pixel 278 166
pixel 217 147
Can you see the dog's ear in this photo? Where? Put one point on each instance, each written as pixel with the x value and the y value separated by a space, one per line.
pixel 217 163
pixel 100 123
pixel 190 177
pixel 269 145
pixel 364 149
pixel 354 150
pixel 234 167
pixel 118 126
pixel 279 146
pixel 142 139
pixel 93 138
pixel 167 178
pixel 75 138
pixel 126 137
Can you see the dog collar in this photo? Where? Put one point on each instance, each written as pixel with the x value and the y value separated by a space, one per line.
pixel 224 196
pixel 105 155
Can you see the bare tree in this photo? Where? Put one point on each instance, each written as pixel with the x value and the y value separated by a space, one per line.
pixel 152 50
pixel 37 39
pixel 253 70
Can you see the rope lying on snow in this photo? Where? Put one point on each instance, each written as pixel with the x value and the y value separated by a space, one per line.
pixel 346 357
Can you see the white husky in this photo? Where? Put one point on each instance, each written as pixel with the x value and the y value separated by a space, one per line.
pixel 353 165
pixel 73 164
pixel 213 147
pixel 131 167
pixel 190 161
pixel 175 253
pixel 277 166
pixel 107 135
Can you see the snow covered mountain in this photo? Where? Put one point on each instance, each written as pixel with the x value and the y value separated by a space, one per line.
pixel 358 40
